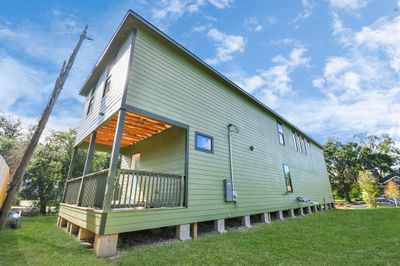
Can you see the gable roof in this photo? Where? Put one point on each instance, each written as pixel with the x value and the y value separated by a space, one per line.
pixel 390 177
pixel 125 28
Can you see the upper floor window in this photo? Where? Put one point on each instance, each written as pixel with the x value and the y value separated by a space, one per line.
pixel 296 145
pixel 288 179
pixel 91 101
pixel 90 105
pixel 281 137
pixel 107 86
pixel 204 142
pixel 300 143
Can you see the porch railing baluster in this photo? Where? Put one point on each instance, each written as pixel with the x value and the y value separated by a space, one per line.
pixel 133 188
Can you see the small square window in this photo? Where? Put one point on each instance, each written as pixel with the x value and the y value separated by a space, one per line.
pixel 204 142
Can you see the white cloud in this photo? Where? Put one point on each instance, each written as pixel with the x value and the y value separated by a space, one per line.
pixel 171 10
pixel 306 11
pixel 270 84
pixel 252 24
pixel 372 112
pixel 360 87
pixel 221 3
pixel 226 46
pixel 340 32
pixel 348 4
pixel 384 36
pixel 19 80
pixel 287 41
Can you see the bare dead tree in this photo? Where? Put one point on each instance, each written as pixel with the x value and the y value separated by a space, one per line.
pixel 18 174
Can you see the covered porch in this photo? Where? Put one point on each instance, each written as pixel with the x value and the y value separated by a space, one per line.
pixel 147 170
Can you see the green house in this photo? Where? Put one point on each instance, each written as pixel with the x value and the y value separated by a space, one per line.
pixel 187 145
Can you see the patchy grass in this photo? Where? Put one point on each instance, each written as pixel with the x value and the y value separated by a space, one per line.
pixel 339 237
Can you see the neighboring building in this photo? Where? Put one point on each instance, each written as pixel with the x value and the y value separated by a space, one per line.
pixel 194 146
pixel 392 177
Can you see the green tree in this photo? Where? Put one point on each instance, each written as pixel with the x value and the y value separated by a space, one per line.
pixel 12 141
pixel 9 127
pixel 369 187
pixel 378 154
pixel 46 175
pixel 343 165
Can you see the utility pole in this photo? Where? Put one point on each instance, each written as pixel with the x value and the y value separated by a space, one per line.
pixel 19 171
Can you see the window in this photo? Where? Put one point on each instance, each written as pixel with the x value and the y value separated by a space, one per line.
pixel 91 101
pixel 296 146
pixel 107 86
pixel 90 106
pixel 299 143
pixel 303 142
pixel 288 179
pixel 280 133
pixel 309 147
pixel 204 142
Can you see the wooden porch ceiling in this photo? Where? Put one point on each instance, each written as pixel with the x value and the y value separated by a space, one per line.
pixel 136 128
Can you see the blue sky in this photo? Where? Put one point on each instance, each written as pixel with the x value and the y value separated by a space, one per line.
pixel 331 67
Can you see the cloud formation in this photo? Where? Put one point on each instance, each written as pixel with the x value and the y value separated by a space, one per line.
pixel 167 11
pixel 348 4
pixel 274 82
pixel 227 45
pixel 361 88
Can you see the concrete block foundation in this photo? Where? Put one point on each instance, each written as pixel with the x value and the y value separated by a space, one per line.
pixel 266 218
pixel 183 232
pixel 246 221
pixel 279 215
pixel 219 226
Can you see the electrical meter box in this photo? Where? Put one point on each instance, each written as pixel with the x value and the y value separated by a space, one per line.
pixel 230 195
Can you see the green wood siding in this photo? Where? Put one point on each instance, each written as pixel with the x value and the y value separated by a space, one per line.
pixel 82 217
pixel 164 153
pixel 109 104
pixel 166 82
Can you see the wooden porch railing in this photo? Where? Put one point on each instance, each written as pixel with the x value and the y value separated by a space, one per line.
pixel 135 188
pixel 86 191
pixel 132 189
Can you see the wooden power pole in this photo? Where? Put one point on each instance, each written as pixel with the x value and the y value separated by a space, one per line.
pixel 19 172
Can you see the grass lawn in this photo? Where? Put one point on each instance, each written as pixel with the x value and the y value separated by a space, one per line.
pixel 338 237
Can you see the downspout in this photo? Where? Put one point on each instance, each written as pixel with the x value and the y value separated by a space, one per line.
pixel 232 129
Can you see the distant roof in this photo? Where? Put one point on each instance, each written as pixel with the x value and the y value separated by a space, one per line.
pixel 125 28
pixel 390 177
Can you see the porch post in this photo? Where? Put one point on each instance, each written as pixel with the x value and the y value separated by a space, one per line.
pixel 89 156
pixel 114 160
pixel 70 170
pixel 72 163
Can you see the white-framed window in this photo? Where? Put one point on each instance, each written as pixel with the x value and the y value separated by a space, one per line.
pixel 281 136
pixel 288 178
